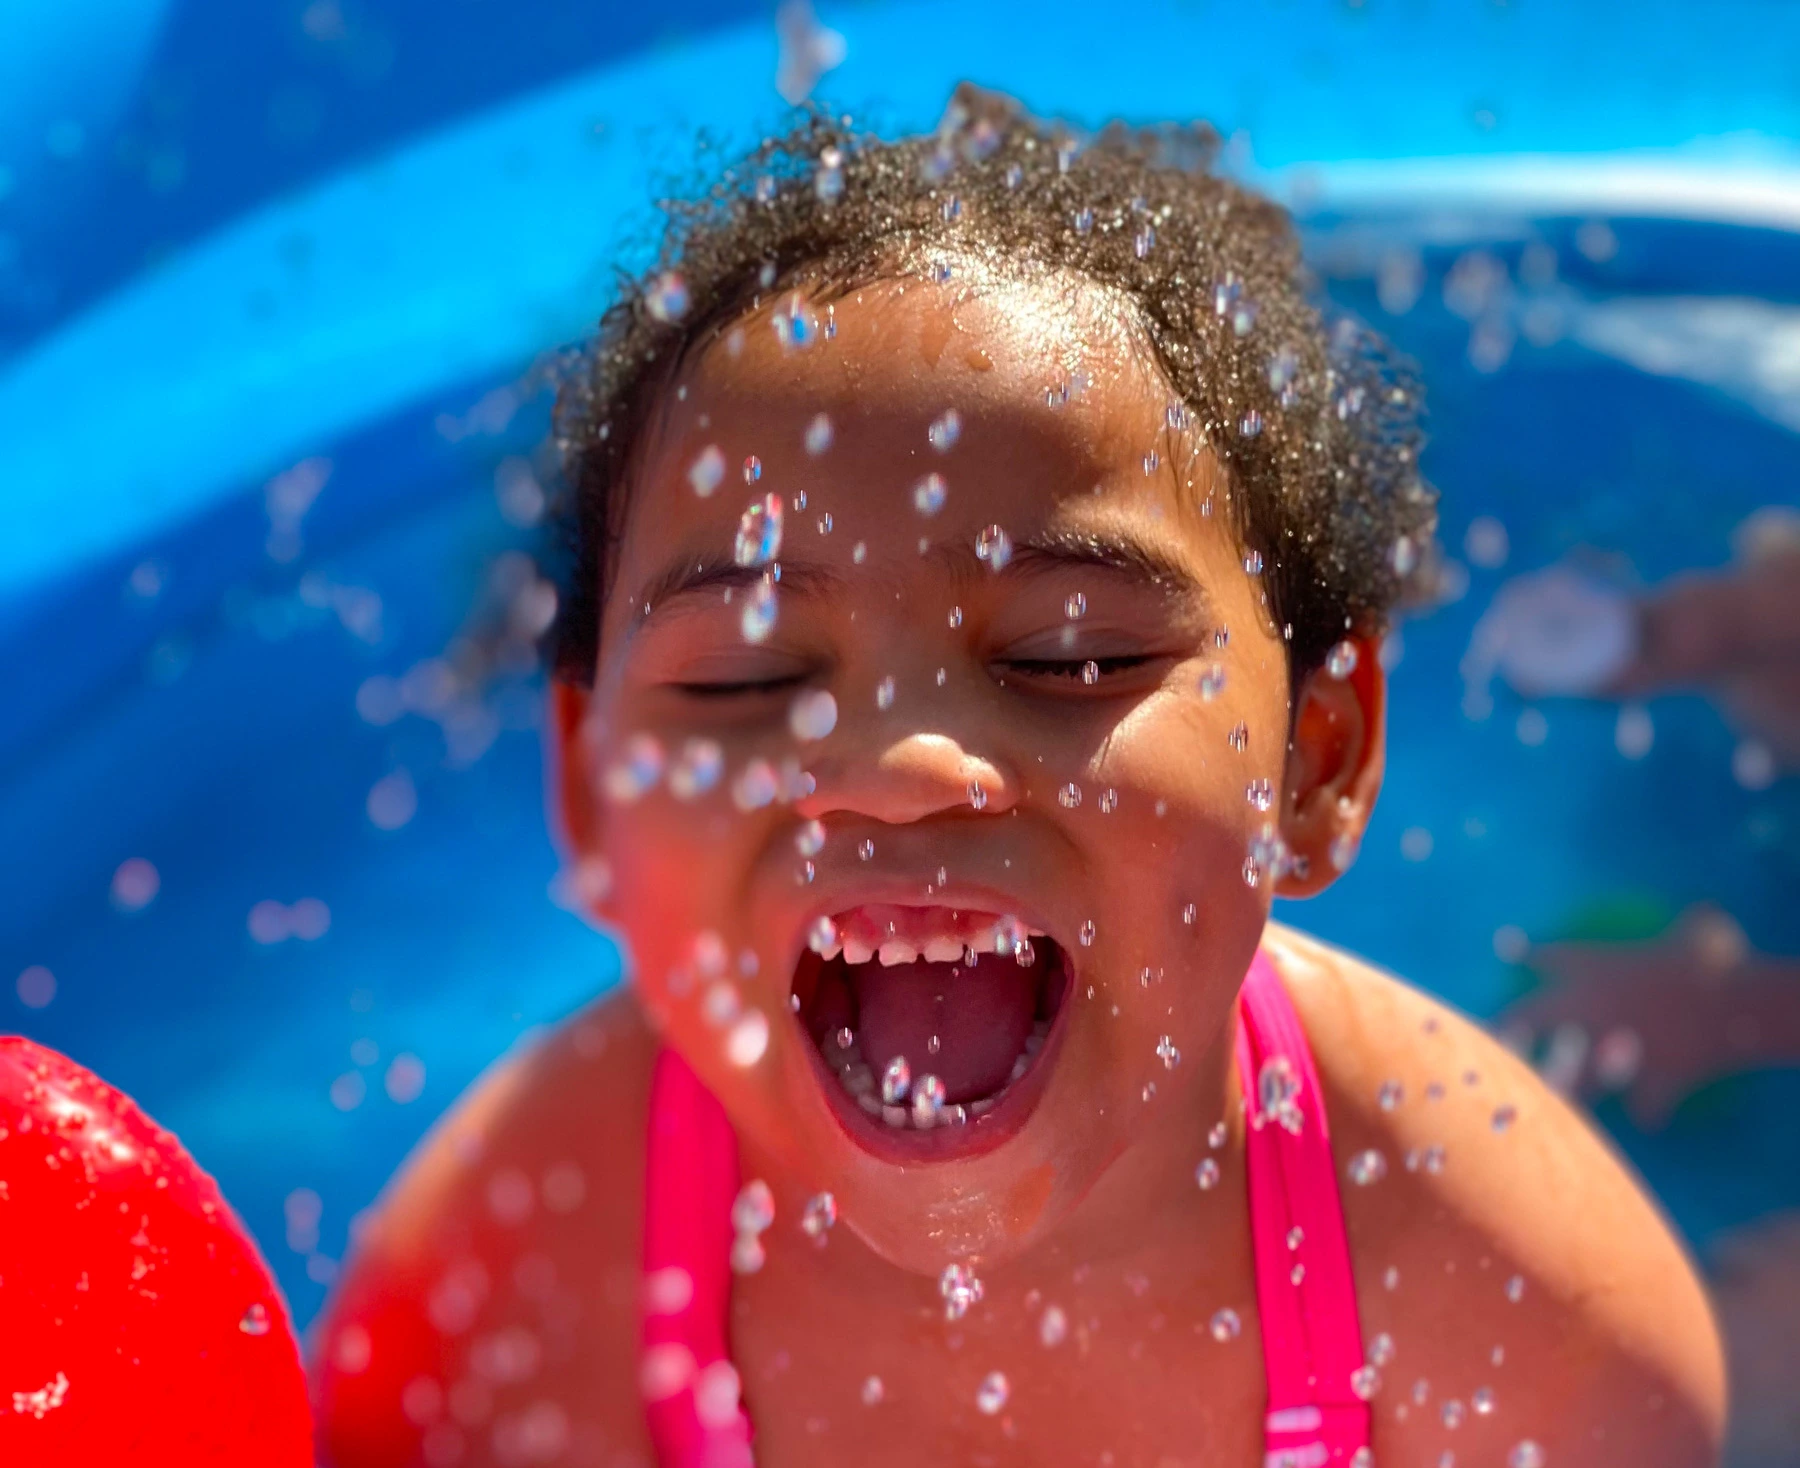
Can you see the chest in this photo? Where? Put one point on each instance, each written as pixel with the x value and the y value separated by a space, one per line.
pixel 1092 1377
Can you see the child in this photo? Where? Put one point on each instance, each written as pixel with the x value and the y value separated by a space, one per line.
pixel 981 552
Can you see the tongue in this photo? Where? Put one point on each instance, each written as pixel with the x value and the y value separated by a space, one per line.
pixel 980 1018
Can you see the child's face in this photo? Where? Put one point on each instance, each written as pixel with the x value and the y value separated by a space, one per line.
pixel 1083 739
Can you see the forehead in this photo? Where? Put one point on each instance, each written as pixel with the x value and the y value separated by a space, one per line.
pixel 1058 404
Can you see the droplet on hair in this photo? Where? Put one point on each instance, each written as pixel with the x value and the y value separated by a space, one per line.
pixel 667 298
pixel 1340 662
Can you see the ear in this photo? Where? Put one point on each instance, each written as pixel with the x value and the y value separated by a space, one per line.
pixel 1336 755
pixel 573 797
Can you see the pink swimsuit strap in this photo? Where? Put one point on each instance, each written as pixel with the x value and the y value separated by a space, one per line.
pixel 1305 1294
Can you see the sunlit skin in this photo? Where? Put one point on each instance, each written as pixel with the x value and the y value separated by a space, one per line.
pixel 1091 1205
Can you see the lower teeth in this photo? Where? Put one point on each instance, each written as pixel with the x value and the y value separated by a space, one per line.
pixel 926 1109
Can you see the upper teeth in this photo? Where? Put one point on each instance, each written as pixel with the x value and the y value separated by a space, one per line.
pixel 954 944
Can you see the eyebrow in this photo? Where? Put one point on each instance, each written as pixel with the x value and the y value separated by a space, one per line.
pixel 1127 556
pixel 690 576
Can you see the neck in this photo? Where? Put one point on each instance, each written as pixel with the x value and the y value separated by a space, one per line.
pixel 1146 1218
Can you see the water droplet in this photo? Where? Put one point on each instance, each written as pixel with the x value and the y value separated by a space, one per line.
pixel 809 840
pixel 1151 461
pixel 1482 1401
pixel 818 1216
pixel 1340 662
pixel 1342 852
pixel 1167 1053
pixel 1053 1326
pixel 1069 795
pixel 1109 801
pixel 812 715
pixel 1253 562
pixel 1421 1389
pixel 818 435
pixel 991 1395
pixel 1086 936
pixel 825 523
pixel 1260 794
pixel 1243 318
pixel 1239 737
pixel 759 532
pixel 1212 681
pixel 667 298
pixel 1075 607
pixel 822 934
pixel 749 1039
pixel 873 1392
pixel 1284 368
pixel 994 546
pixel 929 494
pixel 1277 1090
pixel 828 176
pixel 960 1290
pixel 866 849
pixel 1084 220
pixel 1365 1381
pixel 1252 872
pixel 944 431
pixel 1404 557
pixel 977 796
pixel 633 775
pixel 1207 1174
pixel 1515 1288
pixel 1090 672
pixel 1391 1094
pixel 758 618
pixel 753 1211
pixel 255 1320
pixel 896 1081
pixel 752 469
pixel 1251 424
pixel 707 472
pixel 1391 1279
pixel 1504 1117
pixel 1525 1454
pixel 1369 1166
pixel 1296 1275
pixel 1451 1413
pixel 941 675
pixel 1226 1326
pixel 927 1100
pixel 1381 1349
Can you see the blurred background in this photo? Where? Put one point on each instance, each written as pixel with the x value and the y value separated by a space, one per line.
pixel 281 282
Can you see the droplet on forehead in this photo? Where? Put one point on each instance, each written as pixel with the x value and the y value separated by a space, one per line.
pixel 707 472
pixel 929 494
pixel 759 532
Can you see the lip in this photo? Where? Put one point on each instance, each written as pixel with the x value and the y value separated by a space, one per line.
pixel 948 1142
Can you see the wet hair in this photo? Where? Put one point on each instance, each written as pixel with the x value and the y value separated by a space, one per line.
pixel 1316 421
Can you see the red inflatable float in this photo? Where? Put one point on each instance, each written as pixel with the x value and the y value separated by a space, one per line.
pixel 138 1323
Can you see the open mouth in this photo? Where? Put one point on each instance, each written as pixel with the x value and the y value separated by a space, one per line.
pixel 933 1024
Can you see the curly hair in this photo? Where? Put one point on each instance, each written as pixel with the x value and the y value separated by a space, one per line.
pixel 1315 420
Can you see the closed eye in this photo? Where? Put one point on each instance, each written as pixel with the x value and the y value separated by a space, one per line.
pixel 740 688
pixel 1076 668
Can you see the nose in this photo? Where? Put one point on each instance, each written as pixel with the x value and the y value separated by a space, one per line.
pixel 908 779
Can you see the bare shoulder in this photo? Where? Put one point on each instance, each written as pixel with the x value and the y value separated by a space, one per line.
pixel 490 1300
pixel 1527 1283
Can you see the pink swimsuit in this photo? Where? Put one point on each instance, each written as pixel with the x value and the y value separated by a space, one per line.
pixel 1305 1296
